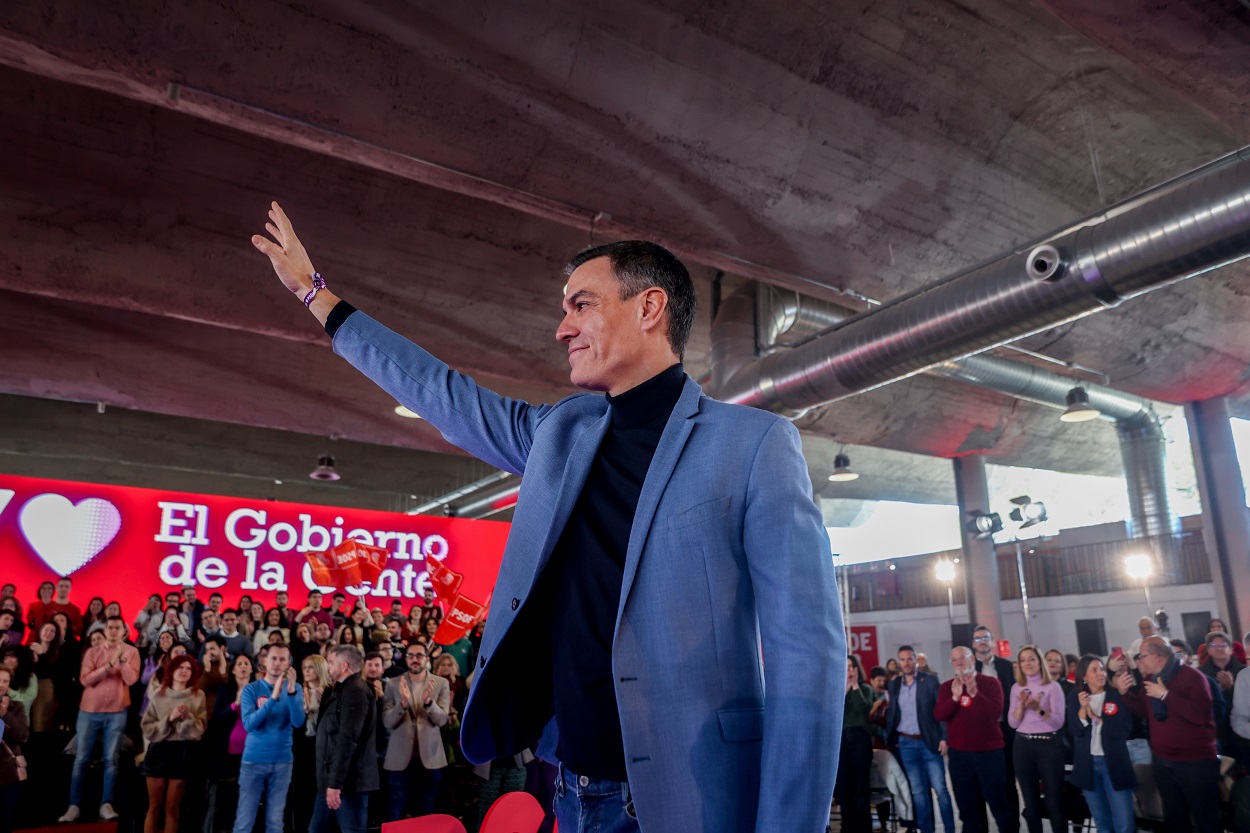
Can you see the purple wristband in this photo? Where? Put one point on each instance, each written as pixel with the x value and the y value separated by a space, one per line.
pixel 319 283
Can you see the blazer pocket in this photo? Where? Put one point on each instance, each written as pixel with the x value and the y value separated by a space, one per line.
pixel 698 513
pixel 741 725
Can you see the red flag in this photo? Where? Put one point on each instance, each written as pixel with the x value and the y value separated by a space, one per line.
pixel 350 564
pixel 463 614
pixel 446 581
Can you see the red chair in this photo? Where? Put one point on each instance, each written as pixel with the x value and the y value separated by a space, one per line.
pixel 512 813
pixel 437 823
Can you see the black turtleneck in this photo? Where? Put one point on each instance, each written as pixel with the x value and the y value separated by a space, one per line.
pixel 582 581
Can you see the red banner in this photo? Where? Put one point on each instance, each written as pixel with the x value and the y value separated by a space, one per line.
pixel 124 544
pixel 863 643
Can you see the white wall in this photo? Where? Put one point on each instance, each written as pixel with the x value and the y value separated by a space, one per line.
pixel 927 629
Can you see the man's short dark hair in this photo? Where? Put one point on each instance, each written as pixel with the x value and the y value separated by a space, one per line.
pixel 902 648
pixel 218 639
pixel 1213 635
pixel 373 655
pixel 279 646
pixel 639 265
pixel 981 628
pixel 108 619
pixel 1180 643
pixel 877 671
pixel 215 595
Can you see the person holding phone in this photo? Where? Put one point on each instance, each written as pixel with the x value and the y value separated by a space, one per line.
pixel 1099 721
pixel 1037 715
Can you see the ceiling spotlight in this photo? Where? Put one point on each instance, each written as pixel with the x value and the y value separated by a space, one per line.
pixel 406 413
pixel 842 469
pixel 1079 409
pixel 1028 513
pixel 983 524
pixel 325 468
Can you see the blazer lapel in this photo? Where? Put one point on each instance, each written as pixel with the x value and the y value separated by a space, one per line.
pixel 667 453
pixel 569 489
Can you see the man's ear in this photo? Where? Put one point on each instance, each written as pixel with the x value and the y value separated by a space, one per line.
pixel 653 305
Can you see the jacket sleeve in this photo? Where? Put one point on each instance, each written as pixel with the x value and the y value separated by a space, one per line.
pixel 16 726
pixel 787 552
pixel 295 706
pixel 436 712
pixel 491 427
pixel 392 705
pixel 944 708
pixel 353 709
pixel 1241 704
pixel 1076 728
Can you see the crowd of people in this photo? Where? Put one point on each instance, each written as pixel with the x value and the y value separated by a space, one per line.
pixel 1149 733
pixel 223 713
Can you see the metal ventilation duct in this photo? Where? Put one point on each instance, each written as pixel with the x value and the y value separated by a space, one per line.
pixel 1183 228
pixel 1143 449
pixel 785 317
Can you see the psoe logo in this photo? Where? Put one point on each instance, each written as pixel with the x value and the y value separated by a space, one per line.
pixel 67 535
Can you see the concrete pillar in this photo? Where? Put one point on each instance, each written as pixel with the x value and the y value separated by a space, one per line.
pixel 979 562
pixel 1225 520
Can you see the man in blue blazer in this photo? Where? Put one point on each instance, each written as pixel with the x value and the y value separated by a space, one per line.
pixel 665 623
pixel 920 739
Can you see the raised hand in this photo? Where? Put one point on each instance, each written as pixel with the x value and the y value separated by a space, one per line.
pixel 405 693
pixel 970 687
pixel 290 681
pixel 957 686
pixel 286 253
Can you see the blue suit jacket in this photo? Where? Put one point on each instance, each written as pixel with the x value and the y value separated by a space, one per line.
pixel 727 555
pixel 931 729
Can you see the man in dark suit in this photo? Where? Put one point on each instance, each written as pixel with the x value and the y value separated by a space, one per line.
pixel 991 665
pixel 347 758
pixel 920 740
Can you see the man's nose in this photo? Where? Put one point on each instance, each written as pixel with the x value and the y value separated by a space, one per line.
pixel 566 330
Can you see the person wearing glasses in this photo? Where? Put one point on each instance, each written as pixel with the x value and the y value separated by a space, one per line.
pixel 988 663
pixel 414 709
pixel 1186 767
pixel 1220 664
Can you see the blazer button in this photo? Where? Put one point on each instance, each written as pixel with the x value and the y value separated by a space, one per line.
pixel 516 603
pixel 481 662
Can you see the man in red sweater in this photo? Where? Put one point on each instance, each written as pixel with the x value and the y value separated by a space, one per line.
pixel 971 705
pixel 1186 766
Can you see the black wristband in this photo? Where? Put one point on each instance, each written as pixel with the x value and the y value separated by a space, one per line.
pixel 337 316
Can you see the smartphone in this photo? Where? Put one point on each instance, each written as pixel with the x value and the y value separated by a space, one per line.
pixel 1116 652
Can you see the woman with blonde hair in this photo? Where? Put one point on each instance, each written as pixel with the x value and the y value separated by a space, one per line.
pixel 172 726
pixel 315 676
pixel 1037 713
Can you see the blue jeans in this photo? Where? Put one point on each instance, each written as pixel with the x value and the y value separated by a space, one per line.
pixel 91 725
pixel 593 805
pixel 926 771
pixel 1112 809
pixel 273 780
pixel 352 814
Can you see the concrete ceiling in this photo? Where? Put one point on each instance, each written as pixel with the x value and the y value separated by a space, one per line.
pixel 442 161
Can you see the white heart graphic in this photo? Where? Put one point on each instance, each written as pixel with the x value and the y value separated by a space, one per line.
pixel 66 536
